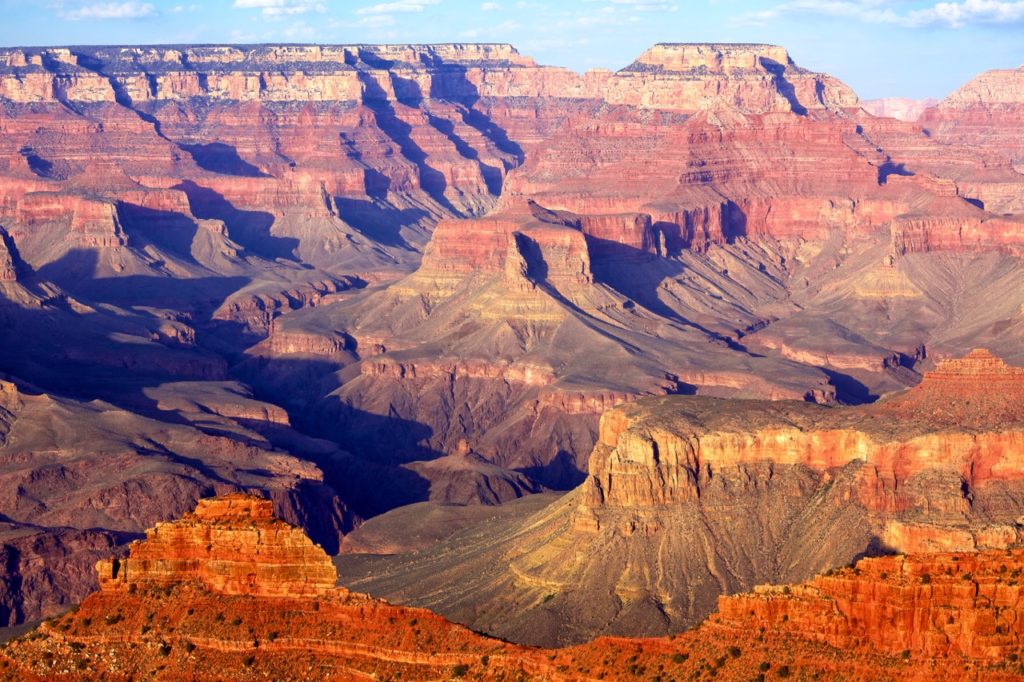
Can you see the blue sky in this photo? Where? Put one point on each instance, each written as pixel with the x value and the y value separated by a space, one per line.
pixel 911 48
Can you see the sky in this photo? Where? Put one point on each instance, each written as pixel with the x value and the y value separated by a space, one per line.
pixel 882 48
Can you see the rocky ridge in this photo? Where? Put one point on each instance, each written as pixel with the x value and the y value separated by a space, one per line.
pixel 918 617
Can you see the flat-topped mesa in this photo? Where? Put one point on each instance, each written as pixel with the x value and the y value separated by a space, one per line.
pixel 976 391
pixel 526 246
pixel 314 73
pixel 964 420
pixel 750 77
pixel 231 545
pixel 709 57
pixel 753 78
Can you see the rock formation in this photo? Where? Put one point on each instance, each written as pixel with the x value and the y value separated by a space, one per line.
pixel 178 610
pixel 688 498
pixel 230 545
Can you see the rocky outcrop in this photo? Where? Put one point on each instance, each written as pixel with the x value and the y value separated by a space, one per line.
pixel 231 545
pixel 10 265
pixel 950 606
pixel 978 391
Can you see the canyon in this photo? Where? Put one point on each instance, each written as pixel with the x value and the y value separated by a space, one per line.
pixel 231 591
pixel 356 278
pixel 689 498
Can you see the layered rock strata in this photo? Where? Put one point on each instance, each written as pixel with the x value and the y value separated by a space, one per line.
pixel 231 545
pixel 688 498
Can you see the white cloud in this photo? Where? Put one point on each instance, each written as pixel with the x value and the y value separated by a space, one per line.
pixel 648 5
pixel 277 8
pixel 956 14
pixel 490 7
pixel 372 21
pixel 959 14
pixel 397 6
pixel 112 10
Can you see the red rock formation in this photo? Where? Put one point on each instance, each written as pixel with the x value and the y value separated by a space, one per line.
pixel 920 617
pixel 231 545
pixel 978 391
pixel 955 606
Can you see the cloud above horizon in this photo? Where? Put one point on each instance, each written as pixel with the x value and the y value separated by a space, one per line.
pixel 956 14
pixel 111 10
pixel 280 8
pixel 400 6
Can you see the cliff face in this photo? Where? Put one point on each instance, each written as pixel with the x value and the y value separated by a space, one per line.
pixel 934 605
pixel 232 140
pixel 917 617
pixel 980 115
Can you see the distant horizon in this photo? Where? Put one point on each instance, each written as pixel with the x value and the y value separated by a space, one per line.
pixel 435 44
pixel 915 49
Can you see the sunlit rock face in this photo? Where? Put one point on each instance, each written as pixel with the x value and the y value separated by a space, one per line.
pixel 689 498
pixel 231 545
